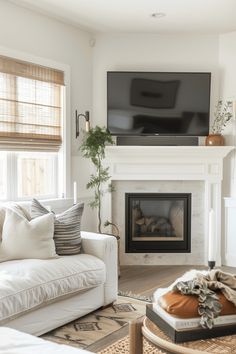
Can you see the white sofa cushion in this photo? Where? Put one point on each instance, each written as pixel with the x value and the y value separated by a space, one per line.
pixel 32 283
pixel 27 239
pixel 15 342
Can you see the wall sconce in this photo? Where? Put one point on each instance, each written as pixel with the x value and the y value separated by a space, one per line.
pixel 87 123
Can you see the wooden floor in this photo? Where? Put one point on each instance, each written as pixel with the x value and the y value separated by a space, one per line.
pixel 144 280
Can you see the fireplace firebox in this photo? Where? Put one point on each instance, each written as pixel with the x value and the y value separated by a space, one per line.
pixel 158 222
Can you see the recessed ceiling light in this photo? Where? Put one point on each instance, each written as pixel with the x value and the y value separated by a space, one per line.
pixel 158 14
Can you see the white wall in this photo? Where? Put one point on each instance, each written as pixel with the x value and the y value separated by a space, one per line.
pixel 227 60
pixel 227 56
pixel 150 52
pixel 34 34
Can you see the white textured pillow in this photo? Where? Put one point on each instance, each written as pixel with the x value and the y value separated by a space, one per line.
pixel 17 208
pixel 27 239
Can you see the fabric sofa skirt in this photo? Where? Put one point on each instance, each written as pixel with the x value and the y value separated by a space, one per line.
pixel 54 315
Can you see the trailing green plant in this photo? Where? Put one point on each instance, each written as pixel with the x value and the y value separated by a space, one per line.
pixel 223 114
pixel 93 148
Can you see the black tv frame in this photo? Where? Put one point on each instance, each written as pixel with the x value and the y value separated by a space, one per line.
pixel 163 72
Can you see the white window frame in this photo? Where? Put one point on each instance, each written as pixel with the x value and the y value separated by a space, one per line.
pixel 64 154
pixel 5 175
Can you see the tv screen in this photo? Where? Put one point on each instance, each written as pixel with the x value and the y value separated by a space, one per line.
pixel 158 103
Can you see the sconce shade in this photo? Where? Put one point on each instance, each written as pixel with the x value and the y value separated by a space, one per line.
pixel 87 123
pixel 87 126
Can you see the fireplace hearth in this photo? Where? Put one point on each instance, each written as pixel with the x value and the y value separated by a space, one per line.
pixel 158 222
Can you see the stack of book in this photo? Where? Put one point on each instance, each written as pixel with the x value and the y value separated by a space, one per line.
pixel 184 330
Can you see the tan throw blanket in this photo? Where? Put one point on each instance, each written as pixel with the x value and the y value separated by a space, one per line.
pixel 218 280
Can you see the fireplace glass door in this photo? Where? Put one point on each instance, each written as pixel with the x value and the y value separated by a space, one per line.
pixel 158 222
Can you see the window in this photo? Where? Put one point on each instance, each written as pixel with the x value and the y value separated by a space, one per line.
pixel 36 175
pixel 31 112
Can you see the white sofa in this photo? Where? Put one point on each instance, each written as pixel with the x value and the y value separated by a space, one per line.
pixel 37 296
pixel 14 342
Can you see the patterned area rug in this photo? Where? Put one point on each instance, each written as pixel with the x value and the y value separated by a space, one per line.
pixel 103 326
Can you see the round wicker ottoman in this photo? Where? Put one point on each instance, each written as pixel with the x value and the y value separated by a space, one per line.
pixel 220 345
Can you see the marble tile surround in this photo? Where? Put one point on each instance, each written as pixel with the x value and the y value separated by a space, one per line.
pixel 196 188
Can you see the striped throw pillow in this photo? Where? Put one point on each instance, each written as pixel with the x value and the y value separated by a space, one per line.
pixel 66 227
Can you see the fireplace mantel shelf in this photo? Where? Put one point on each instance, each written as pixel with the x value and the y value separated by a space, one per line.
pixel 206 152
pixel 166 162
pixel 172 163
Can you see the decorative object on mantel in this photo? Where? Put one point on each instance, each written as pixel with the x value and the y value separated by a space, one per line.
pixel 215 140
pixel 87 122
pixel 93 148
pixel 223 115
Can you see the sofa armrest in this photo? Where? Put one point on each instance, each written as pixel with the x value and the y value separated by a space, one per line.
pixel 105 248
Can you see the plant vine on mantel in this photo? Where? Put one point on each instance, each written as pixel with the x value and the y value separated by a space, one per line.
pixel 93 148
pixel 223 114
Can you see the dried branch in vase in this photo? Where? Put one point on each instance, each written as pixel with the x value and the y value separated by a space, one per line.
pixel 223 115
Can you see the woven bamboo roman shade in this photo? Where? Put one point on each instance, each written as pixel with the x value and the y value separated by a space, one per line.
pixel 30 106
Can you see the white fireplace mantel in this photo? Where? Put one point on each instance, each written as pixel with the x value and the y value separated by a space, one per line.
pixel 166 162
pixel 153 163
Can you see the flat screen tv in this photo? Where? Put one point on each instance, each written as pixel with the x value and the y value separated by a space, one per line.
pixel 158 103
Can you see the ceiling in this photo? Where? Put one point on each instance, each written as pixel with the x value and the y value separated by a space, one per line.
pixel 182 16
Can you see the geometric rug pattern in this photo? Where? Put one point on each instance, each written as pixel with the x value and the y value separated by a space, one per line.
pixel 95 326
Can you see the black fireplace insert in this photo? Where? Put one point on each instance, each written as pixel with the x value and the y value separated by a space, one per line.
pixel 158 222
